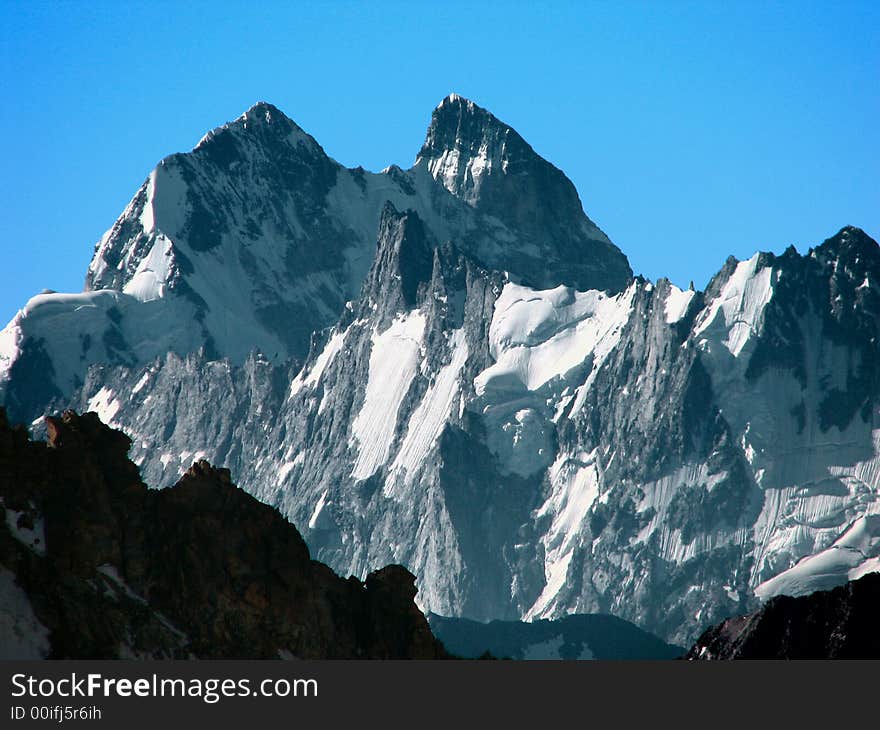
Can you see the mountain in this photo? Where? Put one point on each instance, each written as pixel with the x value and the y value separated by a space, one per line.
pixel 488 397
pixel 93 564
pixel 836 624
pixel 486 164
pixel 579 636
pixel 256 239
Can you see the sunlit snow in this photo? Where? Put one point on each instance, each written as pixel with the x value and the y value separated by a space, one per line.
pixel 394 361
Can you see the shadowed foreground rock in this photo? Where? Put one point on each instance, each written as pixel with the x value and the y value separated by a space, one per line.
pixel 93 564
pixel 836 624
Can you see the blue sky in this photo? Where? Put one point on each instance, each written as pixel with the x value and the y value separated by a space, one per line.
pixel 692 131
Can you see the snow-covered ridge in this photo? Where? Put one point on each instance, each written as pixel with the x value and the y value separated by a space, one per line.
pixel 677 303
pixel 538 336
pixel 740 304
pixel 77 330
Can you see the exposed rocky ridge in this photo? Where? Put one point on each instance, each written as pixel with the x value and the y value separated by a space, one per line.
pixel 110 568
pixel 671 457
pixel 836 624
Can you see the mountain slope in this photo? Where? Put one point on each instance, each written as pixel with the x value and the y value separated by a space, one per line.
pixel 485 163
pixel 836 624
pixel 95 565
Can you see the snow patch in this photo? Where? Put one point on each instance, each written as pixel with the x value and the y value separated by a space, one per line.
pixel 105 405
pixel 394 360
pixel 429 418
pixel 145 378
pixel 153 272
pixel 316 513
pixel 34 538
pixel 574 481
pixel 740 303
pixel 112 573
pixel 284 471
pixel 536 336
pixel 327 355
pixel 543 342
pixel 677 303
pixel 10 346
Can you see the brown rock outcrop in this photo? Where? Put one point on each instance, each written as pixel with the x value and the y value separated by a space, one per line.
pixel 202 569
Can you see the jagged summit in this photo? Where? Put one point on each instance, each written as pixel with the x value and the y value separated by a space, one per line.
pixel 484 162
pixel 403 261
pixel 263 119
pixel 268 115
pixel 262 108
pixel 850 239
pixel 466 144
pixel 452 98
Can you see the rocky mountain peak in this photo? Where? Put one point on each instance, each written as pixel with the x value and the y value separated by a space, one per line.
pixel 488 165
pixel 466 145
pixel 403 261
pixel 851 245
pixel 269 113
pixel 265 123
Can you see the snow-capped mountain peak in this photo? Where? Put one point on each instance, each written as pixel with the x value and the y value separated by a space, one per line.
pixel 485 163
pixel 465 145
pixel 451 367
pixel 266 118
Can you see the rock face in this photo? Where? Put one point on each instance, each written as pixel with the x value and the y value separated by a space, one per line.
pixel 485 163
pixel 580 636
pixel 96 565
pixel 488 397
pixel 836 624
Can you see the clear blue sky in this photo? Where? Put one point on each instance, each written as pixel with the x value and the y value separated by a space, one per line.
pixel 691 130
